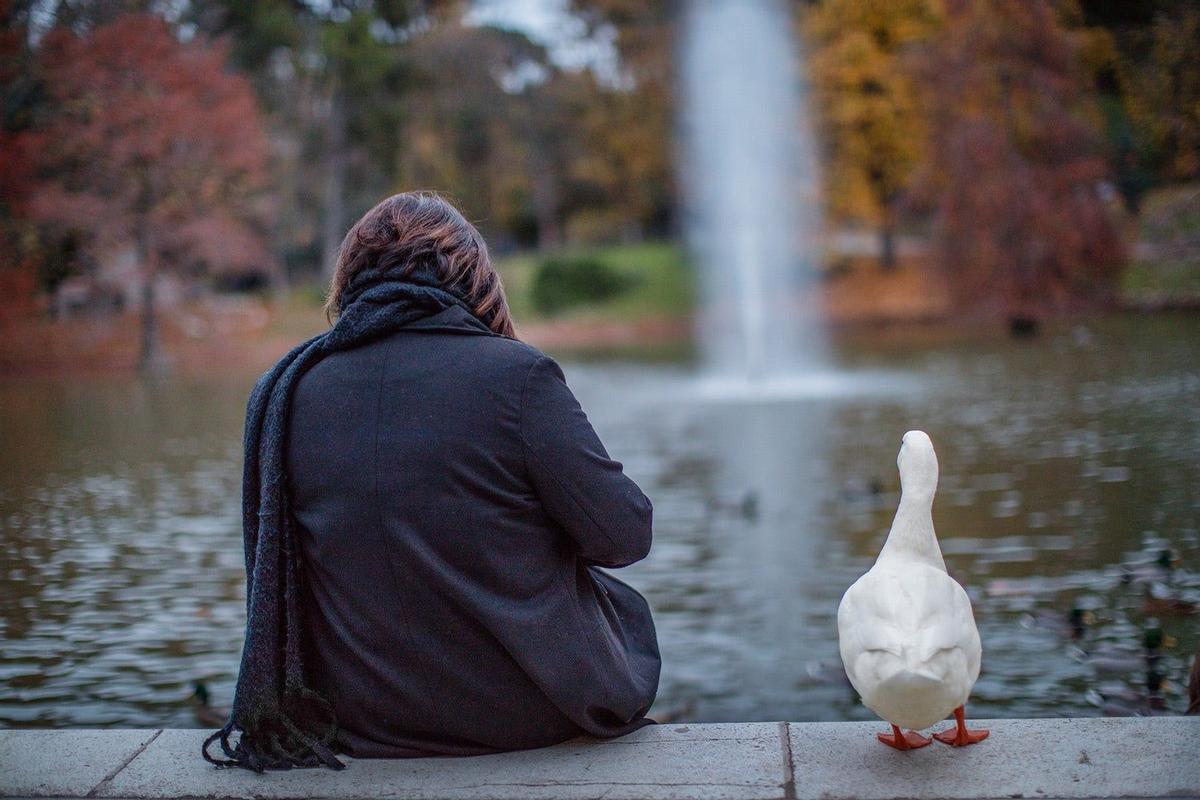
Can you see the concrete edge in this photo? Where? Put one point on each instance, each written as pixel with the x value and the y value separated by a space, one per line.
pixel 108 779
pixel 1072 759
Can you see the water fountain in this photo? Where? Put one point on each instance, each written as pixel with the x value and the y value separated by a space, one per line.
pixel 749 175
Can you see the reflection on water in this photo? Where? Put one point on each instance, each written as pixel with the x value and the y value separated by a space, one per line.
pixel 1068 465
pixel 121 568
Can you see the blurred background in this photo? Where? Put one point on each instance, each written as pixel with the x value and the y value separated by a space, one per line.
pixel 765 238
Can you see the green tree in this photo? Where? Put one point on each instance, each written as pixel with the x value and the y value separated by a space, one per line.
pixel 538 153
pixel 1142 57
pixel 869 106
pixel 333 78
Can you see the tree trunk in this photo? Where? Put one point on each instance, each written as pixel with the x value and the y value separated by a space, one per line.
pixel 546 206
pixel 152 360
pixel 333 225
pixel 887 247
pixel 887 236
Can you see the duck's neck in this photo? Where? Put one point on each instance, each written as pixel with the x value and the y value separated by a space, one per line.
pixel 912 537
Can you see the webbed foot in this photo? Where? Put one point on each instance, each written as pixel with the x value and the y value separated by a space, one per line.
pixel 903 741
pixel 959 736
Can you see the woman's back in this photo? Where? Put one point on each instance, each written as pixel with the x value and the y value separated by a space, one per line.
pixel 451 501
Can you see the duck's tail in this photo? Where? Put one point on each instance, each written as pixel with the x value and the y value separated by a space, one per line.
pixel 912 698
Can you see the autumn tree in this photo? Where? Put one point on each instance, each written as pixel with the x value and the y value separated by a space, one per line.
pixel 1015 169
pixel 874 132
pixel 462 132
pixel 631 127
pixel 364 97
pixel 536 152
pixel 18 104
pixel 150 143
pixel 1164 91
pixel 1142 57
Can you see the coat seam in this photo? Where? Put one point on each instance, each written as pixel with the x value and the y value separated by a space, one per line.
pixel 526 449
pixel 379 523
pixel 568 586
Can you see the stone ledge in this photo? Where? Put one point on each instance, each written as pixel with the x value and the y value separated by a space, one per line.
pixel 1062 758
pixel 1054 758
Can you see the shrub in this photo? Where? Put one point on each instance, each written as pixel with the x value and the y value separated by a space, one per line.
pixel 560 283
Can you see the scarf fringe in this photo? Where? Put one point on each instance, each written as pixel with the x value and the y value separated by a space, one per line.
pixel 261 753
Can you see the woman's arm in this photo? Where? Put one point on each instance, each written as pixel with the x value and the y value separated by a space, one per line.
pixel 582 489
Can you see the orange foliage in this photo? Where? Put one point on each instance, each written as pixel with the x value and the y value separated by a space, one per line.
pixel 150 140
pixel 1015 166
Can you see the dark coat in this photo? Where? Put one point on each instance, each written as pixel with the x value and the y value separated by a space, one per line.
pixel 453 503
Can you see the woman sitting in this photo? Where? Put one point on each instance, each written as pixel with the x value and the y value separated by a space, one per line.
pixel 425 505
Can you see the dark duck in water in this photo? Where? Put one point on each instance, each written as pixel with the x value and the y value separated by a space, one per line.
pixel 206 715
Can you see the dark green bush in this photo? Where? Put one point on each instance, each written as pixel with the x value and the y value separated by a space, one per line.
pixel 561 283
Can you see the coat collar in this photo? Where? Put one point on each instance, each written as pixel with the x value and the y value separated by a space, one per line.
pixel 454 319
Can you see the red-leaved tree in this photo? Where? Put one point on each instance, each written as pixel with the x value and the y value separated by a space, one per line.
pixel 1016 171
pixel 151 143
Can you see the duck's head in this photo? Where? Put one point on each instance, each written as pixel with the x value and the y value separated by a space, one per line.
pixel 1166 559
pixel 1154 638
pixel 1080 620
pixel 918 465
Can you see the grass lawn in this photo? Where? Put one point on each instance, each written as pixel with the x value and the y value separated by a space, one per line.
pixel 659 288
pixel 1162 282
pixel 1168 269
pixel 660 283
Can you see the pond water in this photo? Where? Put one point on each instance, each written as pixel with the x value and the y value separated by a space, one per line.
pixel 1069 463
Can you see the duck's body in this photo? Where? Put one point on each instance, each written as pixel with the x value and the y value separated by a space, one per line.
pixel 1160 599
pixel 909 643
pixel 1121 660
pixel 906 630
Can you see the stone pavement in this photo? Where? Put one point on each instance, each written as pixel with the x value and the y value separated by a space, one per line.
pixel 1052 758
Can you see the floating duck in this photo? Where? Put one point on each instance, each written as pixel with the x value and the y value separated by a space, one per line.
pixel 206 715
pixel 1162 569
pixel 1159 599
pixel 1109 660
pixel 1075 624
pixel 906 631
pixel 1194 687
pixel 1131 702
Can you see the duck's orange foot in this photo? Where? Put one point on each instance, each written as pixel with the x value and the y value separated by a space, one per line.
pixel 903 741
pixel 959 736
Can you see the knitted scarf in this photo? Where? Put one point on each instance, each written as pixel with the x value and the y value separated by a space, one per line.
pixel 283 723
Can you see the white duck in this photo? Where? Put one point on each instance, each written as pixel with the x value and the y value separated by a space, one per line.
pixel 905 629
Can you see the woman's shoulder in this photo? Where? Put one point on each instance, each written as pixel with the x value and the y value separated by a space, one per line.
pixel 517 369
pixel 516 354
pixel 517 350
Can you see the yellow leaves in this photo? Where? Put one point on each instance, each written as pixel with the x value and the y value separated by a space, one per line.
pixel 868 102
pixel 1098 50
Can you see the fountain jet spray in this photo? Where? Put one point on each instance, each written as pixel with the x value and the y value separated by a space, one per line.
pixel 749 176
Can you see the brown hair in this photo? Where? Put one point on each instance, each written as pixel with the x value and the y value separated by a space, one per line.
pixel 414 228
